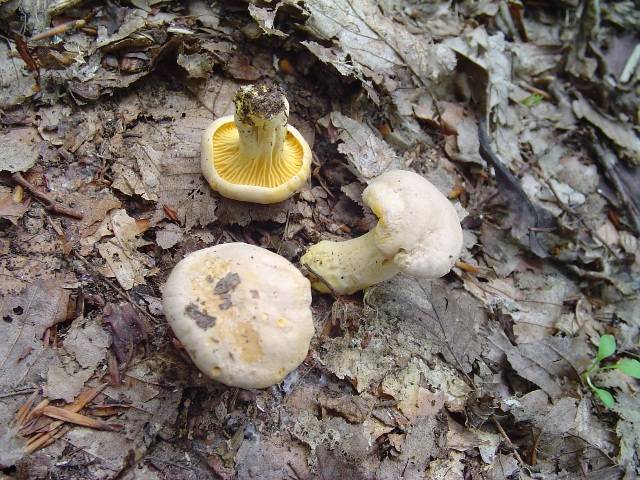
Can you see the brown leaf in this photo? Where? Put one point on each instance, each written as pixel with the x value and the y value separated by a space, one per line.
pixel 353 408
pixel 11 210
pixel 170 213
pixel 127 329
pixel 240 68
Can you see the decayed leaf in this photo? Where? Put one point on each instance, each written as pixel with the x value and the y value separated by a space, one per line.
pixel 340 61
pixel 355 409
pixel 622 135
pixel 367 153
pixel 169 236
pixel 450 468
pixel 377 43
pixel 23 321
pixel 167 159
pixel 552 363
pixel 332 465
pixel 414 400
pixel 147 181
pixel 239 67
pixel 134 20
pixel 446 320
pixel 20 149
pixel 120 250
pixel 265 18
pixel 421 444
pixel 197 65
pixel 538 310
pixel 86 343
pixel 270 458
pixel 490 80
pixel 628 430
pixel 461 439
pixel 151 391
pixel 231 212
pixel 16 82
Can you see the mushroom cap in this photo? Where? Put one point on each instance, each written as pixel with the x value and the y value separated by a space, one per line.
pixel 417 225
pixel 219 149
pixel 241 312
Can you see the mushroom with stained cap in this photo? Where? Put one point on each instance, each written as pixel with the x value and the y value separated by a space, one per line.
pixel 242 313
pixel 418 232
pixel 254 155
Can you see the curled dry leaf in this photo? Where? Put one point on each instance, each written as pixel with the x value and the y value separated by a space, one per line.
pixel 128 330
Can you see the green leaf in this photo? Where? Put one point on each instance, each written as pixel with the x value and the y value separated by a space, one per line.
pixel 629 366
pixel 532 100
pixel 605 397
pixel 606 347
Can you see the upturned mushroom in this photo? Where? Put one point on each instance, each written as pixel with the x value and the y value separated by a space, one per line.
pixel 254 155
pixel 242 313
pixel 418 233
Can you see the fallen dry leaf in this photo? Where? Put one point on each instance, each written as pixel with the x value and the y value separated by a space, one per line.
pixel 11 210
pixel 367 153
pixel 128 330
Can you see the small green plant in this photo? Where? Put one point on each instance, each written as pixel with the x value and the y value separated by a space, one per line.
pixel 532 100
pixel 628 366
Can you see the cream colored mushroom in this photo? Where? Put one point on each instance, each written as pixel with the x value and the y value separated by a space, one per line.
pixel 418 232
pixel 241 312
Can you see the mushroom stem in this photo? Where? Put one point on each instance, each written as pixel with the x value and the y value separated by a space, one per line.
pixel 262 139
pixel 261 117
pixel 348 266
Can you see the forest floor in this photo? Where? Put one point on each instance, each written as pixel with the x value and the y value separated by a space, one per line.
pixel 477 375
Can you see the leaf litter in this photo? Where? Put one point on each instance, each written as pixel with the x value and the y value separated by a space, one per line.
pixel 476 375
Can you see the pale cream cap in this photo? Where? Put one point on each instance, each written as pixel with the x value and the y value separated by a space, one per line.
pixel 242 313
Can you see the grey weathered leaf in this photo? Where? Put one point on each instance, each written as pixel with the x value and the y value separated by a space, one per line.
pixel 552 363
pixel 446 320
pixel 20 149
pixel 622 135
pixel 16 82
pixel 367 153
pixel 375 42
pixel 23 321
pixel 265 18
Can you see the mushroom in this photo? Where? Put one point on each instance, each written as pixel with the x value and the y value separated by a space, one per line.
pixel 254 155
pixel 418 233
pixel 241 312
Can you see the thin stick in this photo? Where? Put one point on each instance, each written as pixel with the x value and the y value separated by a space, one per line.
pixel 507 440
pixel 64 27
pixel 48 202
pixel 323 281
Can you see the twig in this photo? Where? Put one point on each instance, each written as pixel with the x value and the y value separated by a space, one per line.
pixel 323 281
pixel 64 27
pixel 48 202
pixel 508 440
pixel 18 392
pixel 294 471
